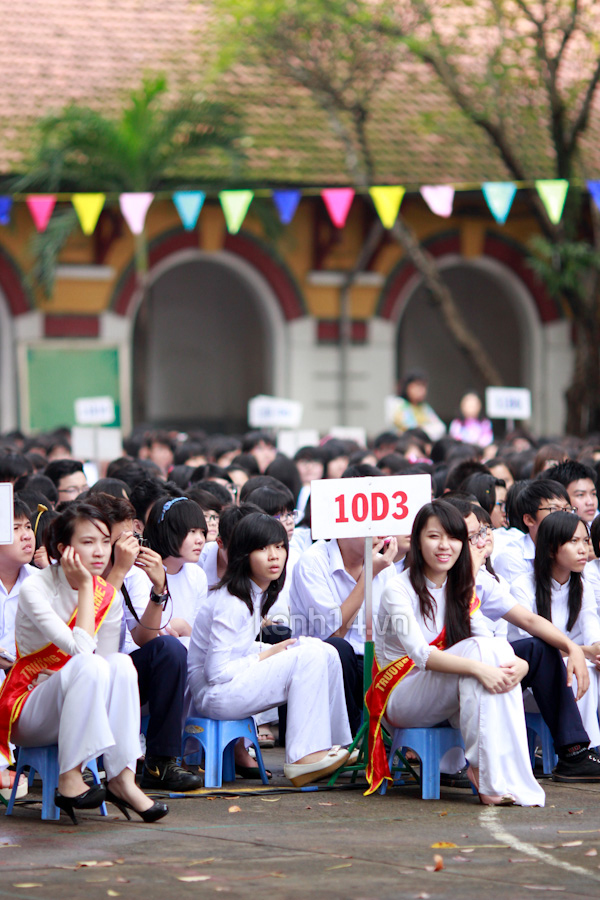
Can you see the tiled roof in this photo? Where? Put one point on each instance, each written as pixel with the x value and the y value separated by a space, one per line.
pixel 94 51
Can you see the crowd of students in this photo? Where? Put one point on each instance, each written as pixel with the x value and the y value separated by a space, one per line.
pixel 186 580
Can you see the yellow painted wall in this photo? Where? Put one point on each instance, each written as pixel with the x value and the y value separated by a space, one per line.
pixel 294 246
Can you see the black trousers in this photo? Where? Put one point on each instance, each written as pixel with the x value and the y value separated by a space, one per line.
pixel 547 678
pixel 162 672
pixel 352 669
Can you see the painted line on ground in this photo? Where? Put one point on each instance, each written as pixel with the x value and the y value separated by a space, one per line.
pixel 490 820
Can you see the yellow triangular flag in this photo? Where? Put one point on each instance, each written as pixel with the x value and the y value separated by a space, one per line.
pixel 387 202
pixel 88 208
pixel 553 194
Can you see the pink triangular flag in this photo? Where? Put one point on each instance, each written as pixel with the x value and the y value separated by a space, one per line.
pixel 439 198
pixel 338 202
pixel 40 207
pixel 134 208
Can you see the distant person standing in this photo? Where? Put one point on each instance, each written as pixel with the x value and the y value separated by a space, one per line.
pixel 412 410
pixel 471 426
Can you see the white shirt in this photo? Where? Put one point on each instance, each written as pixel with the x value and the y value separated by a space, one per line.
pixel 8 609
pixel 223 639
pixel 586 629
pixel 46 603
pixel 401 630
pixel 516 559
pixel 138 587
pixel 188 590
pixel 591 574
pixel 208 562
pixel 320 584
pixel 495 596
pixel 502 538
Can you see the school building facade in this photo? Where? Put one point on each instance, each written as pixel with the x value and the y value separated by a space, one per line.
pixel 224 317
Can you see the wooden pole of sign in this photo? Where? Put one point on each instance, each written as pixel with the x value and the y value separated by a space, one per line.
pixel 362 736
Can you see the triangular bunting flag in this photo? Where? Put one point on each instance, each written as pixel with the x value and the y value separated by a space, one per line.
pixel 338 202
pixel 5 208
pixel 189 204
pixel 553 194
pixel 134 208
pixel 40 207
pixel 287 203
pixel 235 206
pixel 592 186
pixel 499 196
pixel 387 202
pixel 439 198
pixel 88 208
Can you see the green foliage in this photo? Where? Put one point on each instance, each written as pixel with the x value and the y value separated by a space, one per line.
pixel 47 246
pixel 564 267
pixel 81 149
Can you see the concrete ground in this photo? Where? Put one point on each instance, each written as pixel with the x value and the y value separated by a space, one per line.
pixel 330 844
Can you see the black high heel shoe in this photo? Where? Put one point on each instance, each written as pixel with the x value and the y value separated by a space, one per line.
pixel 156 812
pixel 90 799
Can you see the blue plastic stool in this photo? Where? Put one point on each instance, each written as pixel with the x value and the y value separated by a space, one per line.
pixel 536 725
pixel 217 738
pixel 44 761
pixel 429 744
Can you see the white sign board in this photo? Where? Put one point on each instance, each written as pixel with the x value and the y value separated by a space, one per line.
pixel 95 411
pixel 364 507
pixel 274 412
pixel 508 403
pixel 290 441
pixel 6 513
pixel 96 443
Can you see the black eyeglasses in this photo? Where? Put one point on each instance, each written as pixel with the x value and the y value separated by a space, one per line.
pixel 553 509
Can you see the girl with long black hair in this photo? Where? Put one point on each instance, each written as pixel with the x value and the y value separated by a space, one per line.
pixel 558 592
pixel 230 676
pixel 454 669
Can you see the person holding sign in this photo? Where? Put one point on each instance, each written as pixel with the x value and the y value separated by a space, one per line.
pixel 232 677
pixel 69 685
pixel 439 661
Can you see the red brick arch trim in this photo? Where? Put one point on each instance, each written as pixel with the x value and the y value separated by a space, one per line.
pixel 247 247
pixel 12 285
pixel 502 249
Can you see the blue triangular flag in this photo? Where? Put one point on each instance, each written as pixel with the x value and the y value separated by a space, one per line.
pixel 189 204
pixel 499 196
pixel 5 207
pixel 286 202
pixel 592 186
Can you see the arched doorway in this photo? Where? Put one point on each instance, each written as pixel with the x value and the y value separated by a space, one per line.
pixel 208 336
pixel 500 311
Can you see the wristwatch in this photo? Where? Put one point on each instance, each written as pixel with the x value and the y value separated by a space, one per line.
pixel 159 598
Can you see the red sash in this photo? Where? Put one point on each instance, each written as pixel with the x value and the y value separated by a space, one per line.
pixel 17 685
pixel 376 700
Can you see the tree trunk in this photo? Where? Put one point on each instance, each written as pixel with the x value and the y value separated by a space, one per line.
pixel 583 394
pixel 442 297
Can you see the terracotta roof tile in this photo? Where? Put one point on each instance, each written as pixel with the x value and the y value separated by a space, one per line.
pixel 53 52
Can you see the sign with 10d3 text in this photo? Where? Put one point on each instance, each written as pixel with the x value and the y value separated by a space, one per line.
pixel 364 507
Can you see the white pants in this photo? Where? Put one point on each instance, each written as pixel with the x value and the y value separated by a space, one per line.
pixel 307 676
pixel 492 725
pixel 89 707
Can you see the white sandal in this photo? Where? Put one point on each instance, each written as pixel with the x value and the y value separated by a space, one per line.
pixel 303 773
pixel 22 789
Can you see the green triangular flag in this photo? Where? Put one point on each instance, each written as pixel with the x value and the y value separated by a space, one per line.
pixel 235 206
pixel 553 194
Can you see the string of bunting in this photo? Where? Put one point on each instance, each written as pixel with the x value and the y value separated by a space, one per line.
pixel 387 199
